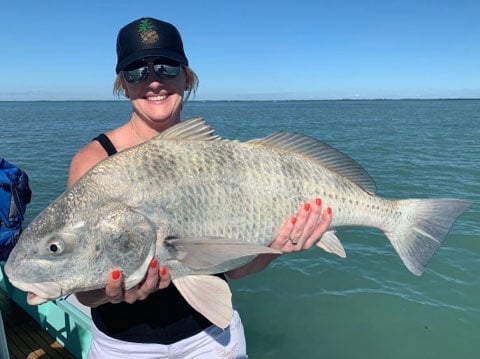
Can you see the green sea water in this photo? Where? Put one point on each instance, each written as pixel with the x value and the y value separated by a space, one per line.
pixel 313 304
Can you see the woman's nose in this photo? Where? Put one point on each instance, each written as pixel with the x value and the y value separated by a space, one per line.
pixel 153 77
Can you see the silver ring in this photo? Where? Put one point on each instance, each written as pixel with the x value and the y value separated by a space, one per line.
pixel 293 240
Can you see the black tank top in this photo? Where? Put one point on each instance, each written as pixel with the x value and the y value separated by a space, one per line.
pixel 164 317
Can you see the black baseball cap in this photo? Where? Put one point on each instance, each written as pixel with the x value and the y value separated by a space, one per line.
pixel 148 37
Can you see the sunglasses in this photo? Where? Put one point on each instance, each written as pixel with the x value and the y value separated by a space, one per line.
pixel 139 70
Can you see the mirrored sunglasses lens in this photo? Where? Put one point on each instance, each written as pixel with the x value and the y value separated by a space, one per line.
pixel 137 75
pixel 167 71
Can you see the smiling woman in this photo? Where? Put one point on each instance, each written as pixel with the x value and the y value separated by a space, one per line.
pixel 152 71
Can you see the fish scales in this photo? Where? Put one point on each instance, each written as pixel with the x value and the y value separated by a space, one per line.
pixel 266 186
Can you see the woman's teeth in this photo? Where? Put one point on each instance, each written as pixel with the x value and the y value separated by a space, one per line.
pixel 156 98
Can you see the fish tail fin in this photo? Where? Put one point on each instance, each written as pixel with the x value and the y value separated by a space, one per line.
pixel 421 229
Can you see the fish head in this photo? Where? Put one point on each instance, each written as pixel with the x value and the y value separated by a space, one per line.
pixel 68 249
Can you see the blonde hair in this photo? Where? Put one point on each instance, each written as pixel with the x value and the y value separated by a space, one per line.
pixel 191 83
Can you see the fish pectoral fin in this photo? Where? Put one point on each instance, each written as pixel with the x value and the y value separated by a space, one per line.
pixel 210 252
pixel 331 244
pixel 209 295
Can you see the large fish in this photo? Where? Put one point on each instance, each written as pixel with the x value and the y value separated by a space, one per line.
pixel 203 205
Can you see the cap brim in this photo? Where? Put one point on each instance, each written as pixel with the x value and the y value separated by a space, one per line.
pixel 168 54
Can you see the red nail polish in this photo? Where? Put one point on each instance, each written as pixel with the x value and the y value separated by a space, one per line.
pixel 163 271
pixel 153 263
pixel 306 206
pixel 293 220
pixel 116 274
pixel 318 202
pixel 329 210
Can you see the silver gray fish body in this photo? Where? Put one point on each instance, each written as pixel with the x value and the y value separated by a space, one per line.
pixel 204 205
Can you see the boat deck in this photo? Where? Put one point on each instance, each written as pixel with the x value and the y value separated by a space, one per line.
pixel 25 338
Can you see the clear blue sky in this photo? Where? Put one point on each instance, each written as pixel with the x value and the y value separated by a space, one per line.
pixel 251 49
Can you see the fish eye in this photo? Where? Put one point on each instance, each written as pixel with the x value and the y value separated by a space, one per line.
pixel 55 247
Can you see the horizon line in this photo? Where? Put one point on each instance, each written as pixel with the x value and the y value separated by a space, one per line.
pixel 266 100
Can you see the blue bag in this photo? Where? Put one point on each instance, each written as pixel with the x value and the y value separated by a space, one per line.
pixel 15 194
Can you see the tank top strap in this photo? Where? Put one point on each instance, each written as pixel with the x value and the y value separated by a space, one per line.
pixel 106 144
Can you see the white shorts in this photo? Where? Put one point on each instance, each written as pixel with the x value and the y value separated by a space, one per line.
pixel 212 343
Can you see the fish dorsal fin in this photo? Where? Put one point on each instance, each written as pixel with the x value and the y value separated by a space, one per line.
pixel 195 129
pixel 322 153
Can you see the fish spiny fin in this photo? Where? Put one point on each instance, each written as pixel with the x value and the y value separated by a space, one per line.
pixel 195 129
pixel 208 295
pixel 321 153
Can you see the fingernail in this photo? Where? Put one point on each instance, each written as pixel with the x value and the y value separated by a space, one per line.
pixel 163 271
pixel 153 263
pixel 318 202
pixel 293 220
pixel 306 206
pixel 329 210
pixel 116 274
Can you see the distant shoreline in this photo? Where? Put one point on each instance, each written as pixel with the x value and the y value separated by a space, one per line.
pixel 293 100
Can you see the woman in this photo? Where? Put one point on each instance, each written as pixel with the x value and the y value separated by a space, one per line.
pixel 152 320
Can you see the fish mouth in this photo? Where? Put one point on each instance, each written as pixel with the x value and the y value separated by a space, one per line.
pixel 39 293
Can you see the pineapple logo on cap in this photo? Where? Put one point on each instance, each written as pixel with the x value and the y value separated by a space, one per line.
pixel 147 32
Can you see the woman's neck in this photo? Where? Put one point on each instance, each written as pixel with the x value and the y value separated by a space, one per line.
pixel 145 131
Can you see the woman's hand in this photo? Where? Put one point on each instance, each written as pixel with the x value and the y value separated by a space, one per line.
pixel 155 279
pixel 305 229
pixel 298 233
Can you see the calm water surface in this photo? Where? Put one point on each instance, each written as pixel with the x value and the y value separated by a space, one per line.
pixel 312 304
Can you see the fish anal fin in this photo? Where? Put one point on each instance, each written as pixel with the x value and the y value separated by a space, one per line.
pixel 208 295
pixel 331 244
